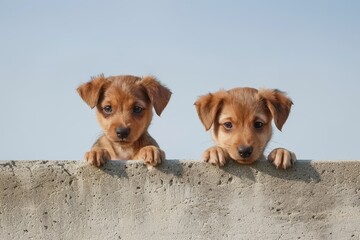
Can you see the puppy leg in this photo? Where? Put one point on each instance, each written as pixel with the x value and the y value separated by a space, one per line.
pixel 97 157
pixel 151 155
pixel 216 156
pixel 282 158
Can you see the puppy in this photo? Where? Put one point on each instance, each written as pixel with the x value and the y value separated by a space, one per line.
pixel 124 110
pixel 240 123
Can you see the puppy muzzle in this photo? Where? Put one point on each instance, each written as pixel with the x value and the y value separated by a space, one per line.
pixel 245 151
pixel 122 133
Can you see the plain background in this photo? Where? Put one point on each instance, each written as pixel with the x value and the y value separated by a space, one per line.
pixel 310 49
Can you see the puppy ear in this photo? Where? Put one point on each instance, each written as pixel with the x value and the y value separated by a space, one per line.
pixel 90 91
pixel 278 104
pixel 159 95
pixel 207 107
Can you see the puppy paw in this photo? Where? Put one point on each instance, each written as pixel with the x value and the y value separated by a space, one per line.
pixel 216 156
pixel 97 157
pixel 151 155
pixel 282 158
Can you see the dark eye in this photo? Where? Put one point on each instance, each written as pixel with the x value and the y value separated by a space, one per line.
pixel 137 109
pixel 258 125
pixel 107 109
pixel 228 125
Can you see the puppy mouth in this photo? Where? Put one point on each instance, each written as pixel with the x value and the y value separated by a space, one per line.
pixel 247 159
pixel 123 140
pixel 118 140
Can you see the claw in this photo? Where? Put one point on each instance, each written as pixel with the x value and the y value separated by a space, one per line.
pixel 282 158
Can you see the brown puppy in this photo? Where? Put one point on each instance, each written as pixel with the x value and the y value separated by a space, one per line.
pixel 240 122
pixel 124 110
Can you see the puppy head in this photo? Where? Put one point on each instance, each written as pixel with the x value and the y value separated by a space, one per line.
pixel 124 104
pixel 240 119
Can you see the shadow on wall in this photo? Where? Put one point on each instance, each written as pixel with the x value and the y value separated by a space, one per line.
pixel 120 168
pixel 302 171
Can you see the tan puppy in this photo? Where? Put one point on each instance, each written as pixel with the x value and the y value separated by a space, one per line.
pixel 240 122
pixel 124 110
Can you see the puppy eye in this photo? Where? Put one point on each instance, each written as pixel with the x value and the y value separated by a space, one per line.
pixel 258 124
pixel 137 109
pixel 107 109
pixel 228 125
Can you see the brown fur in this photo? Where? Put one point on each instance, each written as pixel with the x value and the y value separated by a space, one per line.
pixel 124 103
pixel 240 122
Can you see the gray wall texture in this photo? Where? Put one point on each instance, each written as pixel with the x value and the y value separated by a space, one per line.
pixel 179 200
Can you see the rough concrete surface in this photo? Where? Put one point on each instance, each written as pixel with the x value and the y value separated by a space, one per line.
pixel 179 200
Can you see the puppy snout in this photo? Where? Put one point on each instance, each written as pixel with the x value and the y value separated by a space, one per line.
pixel 122 132
pixel 245 151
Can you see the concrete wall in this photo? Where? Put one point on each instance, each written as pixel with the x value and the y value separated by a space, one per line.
pixel 179 200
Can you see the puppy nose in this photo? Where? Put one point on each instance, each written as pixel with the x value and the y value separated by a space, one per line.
pixel 122 132
pixel 245 151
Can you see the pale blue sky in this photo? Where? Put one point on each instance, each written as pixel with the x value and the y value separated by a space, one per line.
pixel 310 49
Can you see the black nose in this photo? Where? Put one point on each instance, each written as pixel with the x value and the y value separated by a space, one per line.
pixel 245 151
pixel 122 132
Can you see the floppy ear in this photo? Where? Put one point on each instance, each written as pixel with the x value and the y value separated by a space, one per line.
pixel 207 107
pixel 278 104
pixel 90 91
pixel 159 95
